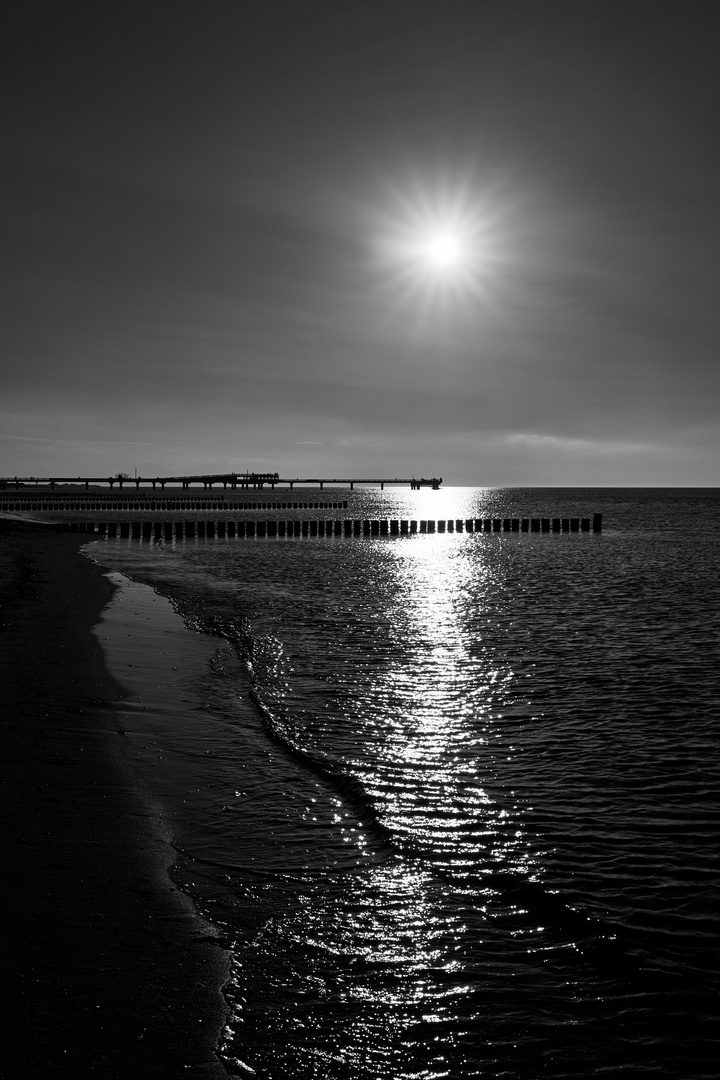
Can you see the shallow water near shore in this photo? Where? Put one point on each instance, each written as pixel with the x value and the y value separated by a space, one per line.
pixel 451 799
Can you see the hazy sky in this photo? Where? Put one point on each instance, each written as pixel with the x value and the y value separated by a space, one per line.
pixel 218 224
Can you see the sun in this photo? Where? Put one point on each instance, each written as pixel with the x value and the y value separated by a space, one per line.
pixel 443 251
pixel 433 243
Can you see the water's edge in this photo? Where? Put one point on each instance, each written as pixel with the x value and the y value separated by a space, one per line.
pixel 144 641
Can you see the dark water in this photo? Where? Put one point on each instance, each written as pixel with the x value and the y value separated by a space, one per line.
pixel 453 798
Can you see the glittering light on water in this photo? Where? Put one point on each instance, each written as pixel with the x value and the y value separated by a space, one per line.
pixel 430 757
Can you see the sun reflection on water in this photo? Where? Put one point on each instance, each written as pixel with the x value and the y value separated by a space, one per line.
pixel 393 948
pixel 428 771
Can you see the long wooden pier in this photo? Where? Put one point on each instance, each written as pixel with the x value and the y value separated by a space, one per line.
pixel 246 480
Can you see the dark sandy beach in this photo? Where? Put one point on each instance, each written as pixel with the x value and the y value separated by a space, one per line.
pixel 109 971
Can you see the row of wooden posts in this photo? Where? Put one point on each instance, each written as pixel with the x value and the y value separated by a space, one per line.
pixel 167 530
pixel 108 504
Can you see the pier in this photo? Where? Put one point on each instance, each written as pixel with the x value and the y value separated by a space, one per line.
pixel 246 481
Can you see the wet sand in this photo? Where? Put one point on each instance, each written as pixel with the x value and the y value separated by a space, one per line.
pixel 108 965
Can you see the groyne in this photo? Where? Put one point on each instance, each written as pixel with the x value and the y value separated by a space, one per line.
pixel 317 527
pixel 117 502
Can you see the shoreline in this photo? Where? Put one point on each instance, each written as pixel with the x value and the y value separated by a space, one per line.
pixel 112 971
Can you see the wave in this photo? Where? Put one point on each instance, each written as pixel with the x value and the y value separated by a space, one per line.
pixel 598 942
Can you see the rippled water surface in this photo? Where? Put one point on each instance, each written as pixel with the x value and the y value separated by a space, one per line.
pixel 454 797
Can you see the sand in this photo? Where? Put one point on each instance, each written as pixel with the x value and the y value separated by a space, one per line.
pixel 108 966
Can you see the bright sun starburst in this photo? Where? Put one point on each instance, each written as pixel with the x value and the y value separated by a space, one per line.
pixel 433 243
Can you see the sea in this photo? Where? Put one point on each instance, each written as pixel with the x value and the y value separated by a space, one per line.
pixel 450 801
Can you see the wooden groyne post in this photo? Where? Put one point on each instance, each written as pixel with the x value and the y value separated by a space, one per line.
pixel 282 528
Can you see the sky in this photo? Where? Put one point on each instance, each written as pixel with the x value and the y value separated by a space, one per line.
pixel 475 239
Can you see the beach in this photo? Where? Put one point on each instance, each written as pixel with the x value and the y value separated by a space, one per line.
pixel 111 972
pixel 374 806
